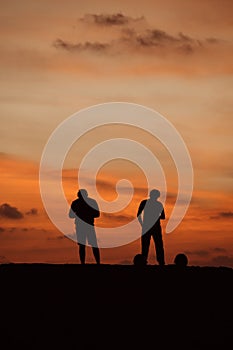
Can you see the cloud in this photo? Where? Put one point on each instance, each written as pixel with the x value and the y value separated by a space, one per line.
pixel 86 46
pixel 157 37
pixel 223 215
pixel 57 238
pixel 223 260
pixel 226 214
pixel 112 185
pixel 117 19
pixel 131 38
pixel 71 236
pixel 3 155
pixel 32 211
pixel 2 229
pixel 7 211
pixel 159 40
pixel 4 260
pixel 125 262
pixel 200 252
pixel 117 218
pixel 106 184
pixel 212 40
pixel 219 250
pixel 218 260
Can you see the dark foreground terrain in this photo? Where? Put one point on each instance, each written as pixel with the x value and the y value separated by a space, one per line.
pixel 115 307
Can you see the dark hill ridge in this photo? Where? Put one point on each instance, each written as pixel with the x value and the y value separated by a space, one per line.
pixel 115 307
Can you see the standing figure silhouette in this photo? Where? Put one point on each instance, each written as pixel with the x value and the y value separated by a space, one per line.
pixel 153 212
pixel 84 210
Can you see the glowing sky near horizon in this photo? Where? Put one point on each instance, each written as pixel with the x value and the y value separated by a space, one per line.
pixel 172 56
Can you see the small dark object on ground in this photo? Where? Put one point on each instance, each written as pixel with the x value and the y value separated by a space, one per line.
pixel 181 260
pixel 139 260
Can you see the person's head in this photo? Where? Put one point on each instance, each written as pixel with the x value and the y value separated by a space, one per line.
pixel 82 194
pixel 154 194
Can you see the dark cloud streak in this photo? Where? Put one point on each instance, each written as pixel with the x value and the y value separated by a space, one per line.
pixel 130 39
pixel 219 250
pixel 222 215
pixel 118 218
pixel 200 252
pixel 223 260
pixel 79 47
pixel 9 212
pixel 32 211
pixel 226 214
pixel 117 19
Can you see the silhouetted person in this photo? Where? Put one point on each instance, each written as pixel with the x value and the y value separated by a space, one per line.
pixel 181 260
pixel 153 212
pixel 84 210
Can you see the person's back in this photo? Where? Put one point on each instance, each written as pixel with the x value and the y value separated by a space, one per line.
pixel 85 209
pixel 152 214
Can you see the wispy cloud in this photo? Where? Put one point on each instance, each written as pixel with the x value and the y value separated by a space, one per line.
pixel 223 215
pixel 131 38
pixel 86 46
pixel 117 19
pixel 226 214
pixel 219 250
pixel 224 260
pixel 160 38
pixel 201 252
pixel 32 211
pixel 117 217
pixel 57 238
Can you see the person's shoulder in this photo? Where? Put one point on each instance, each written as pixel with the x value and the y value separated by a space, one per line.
pixel 160 204
pixel 91 201
pixel 143 202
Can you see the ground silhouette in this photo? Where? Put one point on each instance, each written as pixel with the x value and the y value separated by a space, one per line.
pixel 115 306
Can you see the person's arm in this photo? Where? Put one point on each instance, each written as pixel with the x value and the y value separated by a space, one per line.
pixel 139 213
pixel 71 213
pixel 96 212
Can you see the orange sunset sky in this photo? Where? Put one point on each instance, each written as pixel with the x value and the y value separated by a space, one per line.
pixel 58 57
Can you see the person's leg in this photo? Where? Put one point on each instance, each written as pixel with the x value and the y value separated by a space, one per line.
pixel 81 240
pixel 92 240
pixel 96 253
pixel 82 253
pixel 159 249
pixel 145 244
